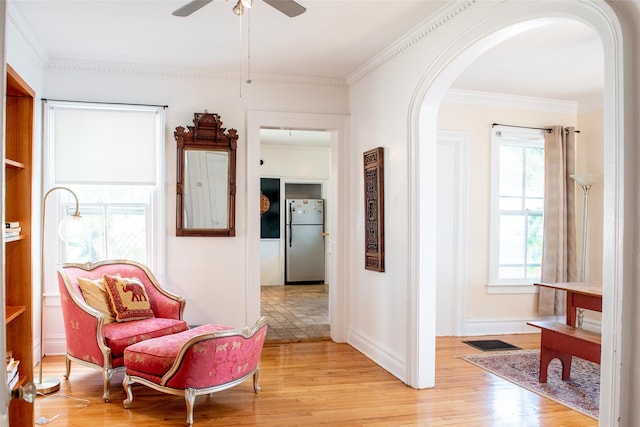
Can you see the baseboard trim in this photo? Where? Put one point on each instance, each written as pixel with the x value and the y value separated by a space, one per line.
pixel 54 346
pixel 388 360
pixel 514 326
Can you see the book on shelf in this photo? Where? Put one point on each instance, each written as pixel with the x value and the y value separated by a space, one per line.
pixel 13 381
pixel 11 232
pixel 12 224
pixel 12 370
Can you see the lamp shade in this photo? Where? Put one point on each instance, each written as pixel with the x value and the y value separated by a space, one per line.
pixel 73 228
pixel 587 178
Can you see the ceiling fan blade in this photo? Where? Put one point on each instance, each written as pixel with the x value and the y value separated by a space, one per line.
pixel 190 7
pixel 288 7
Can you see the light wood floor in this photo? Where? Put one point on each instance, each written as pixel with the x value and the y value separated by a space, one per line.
pixel 319 383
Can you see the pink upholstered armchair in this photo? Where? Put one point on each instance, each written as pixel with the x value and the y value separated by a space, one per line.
pixel 94 335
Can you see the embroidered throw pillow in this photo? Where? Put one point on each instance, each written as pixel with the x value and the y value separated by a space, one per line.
pixel 95 295
pixel 128 298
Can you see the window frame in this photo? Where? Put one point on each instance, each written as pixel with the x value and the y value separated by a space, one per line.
pixel 93 208
pixel 58 202
pixel 515 136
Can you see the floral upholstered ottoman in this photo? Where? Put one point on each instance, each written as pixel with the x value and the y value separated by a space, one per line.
pixel 202 360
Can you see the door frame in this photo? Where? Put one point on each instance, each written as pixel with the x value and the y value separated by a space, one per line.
pixel 337 219
pixel 460 169
pixel 503 20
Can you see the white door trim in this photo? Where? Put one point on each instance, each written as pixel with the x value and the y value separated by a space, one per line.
pixel 337 220
pixel 460 169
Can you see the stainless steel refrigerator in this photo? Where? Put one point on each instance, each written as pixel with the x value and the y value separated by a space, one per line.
pixel 304 253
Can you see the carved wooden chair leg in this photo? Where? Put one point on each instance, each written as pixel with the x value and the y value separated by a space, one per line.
pixel 127 389
pixel 190 399
pixel 67 363
pixel 106 374
pixel 256 378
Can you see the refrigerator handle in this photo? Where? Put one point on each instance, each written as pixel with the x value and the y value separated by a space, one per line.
pixel 290 223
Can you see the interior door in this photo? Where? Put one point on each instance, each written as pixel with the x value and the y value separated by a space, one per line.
pixel 451 234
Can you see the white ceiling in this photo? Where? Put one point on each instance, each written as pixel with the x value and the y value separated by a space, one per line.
pixel 562 60
pixel 331 39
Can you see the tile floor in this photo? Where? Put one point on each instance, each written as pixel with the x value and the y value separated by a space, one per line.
pixel 296 312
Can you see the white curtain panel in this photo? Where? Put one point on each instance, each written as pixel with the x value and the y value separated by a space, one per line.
pixel 559 232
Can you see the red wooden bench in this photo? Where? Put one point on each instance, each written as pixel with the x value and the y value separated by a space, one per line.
pixel 559 340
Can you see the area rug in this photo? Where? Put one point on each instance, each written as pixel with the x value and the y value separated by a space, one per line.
pixel 491 345
pixel 581 392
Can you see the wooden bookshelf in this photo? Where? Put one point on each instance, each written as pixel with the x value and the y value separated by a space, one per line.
pixel 12 312
pixel 19 116
pixel 13 164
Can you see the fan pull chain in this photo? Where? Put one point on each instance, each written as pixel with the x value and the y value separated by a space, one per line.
pixel 240 48
pixel 249 50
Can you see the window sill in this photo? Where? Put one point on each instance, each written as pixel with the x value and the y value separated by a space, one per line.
pixel 511 288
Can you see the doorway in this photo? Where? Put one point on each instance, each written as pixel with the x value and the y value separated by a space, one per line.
pixel 294 293
pixel 423 112
pixel 336 129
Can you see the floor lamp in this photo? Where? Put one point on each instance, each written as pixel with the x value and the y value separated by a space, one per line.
pixel 585 181
pixel 71 228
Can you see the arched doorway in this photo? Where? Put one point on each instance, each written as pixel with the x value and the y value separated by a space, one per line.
pixel 500 23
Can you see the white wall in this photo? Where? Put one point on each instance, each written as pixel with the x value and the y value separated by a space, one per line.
pixel 393 103
pixel 210 273
pixel 289 163
pixel 489 313
pixel 482 306
pixel 589 153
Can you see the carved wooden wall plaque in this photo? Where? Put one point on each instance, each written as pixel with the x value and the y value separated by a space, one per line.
pixel 374 209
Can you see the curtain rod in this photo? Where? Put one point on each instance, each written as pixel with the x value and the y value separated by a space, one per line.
pixel 105 103
pixel 528 127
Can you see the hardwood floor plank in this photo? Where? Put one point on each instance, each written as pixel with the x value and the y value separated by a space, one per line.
pixel 319 383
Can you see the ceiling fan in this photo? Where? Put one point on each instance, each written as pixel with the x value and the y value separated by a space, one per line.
pixel 288 7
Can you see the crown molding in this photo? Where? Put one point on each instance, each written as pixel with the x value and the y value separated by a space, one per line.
pixel 15 20
pixel 501 100
pixel 188 73
pixel 418 33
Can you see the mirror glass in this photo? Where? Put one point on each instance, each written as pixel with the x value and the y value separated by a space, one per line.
pixel 206 180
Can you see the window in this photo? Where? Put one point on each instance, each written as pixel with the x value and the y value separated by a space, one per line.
pixel 517 206
pixel 118 218
pixel 111 156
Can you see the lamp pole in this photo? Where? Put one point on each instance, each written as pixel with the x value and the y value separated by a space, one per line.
pixel 585 181
pixel 583 266
pixel 50 385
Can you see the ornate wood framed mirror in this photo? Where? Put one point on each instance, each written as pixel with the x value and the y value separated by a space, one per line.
pixel 206 178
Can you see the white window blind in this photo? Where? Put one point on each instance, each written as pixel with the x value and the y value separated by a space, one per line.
pixel 112 157
pixel 114 145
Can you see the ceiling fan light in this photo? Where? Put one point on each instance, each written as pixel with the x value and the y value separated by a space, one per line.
pixel 238 9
